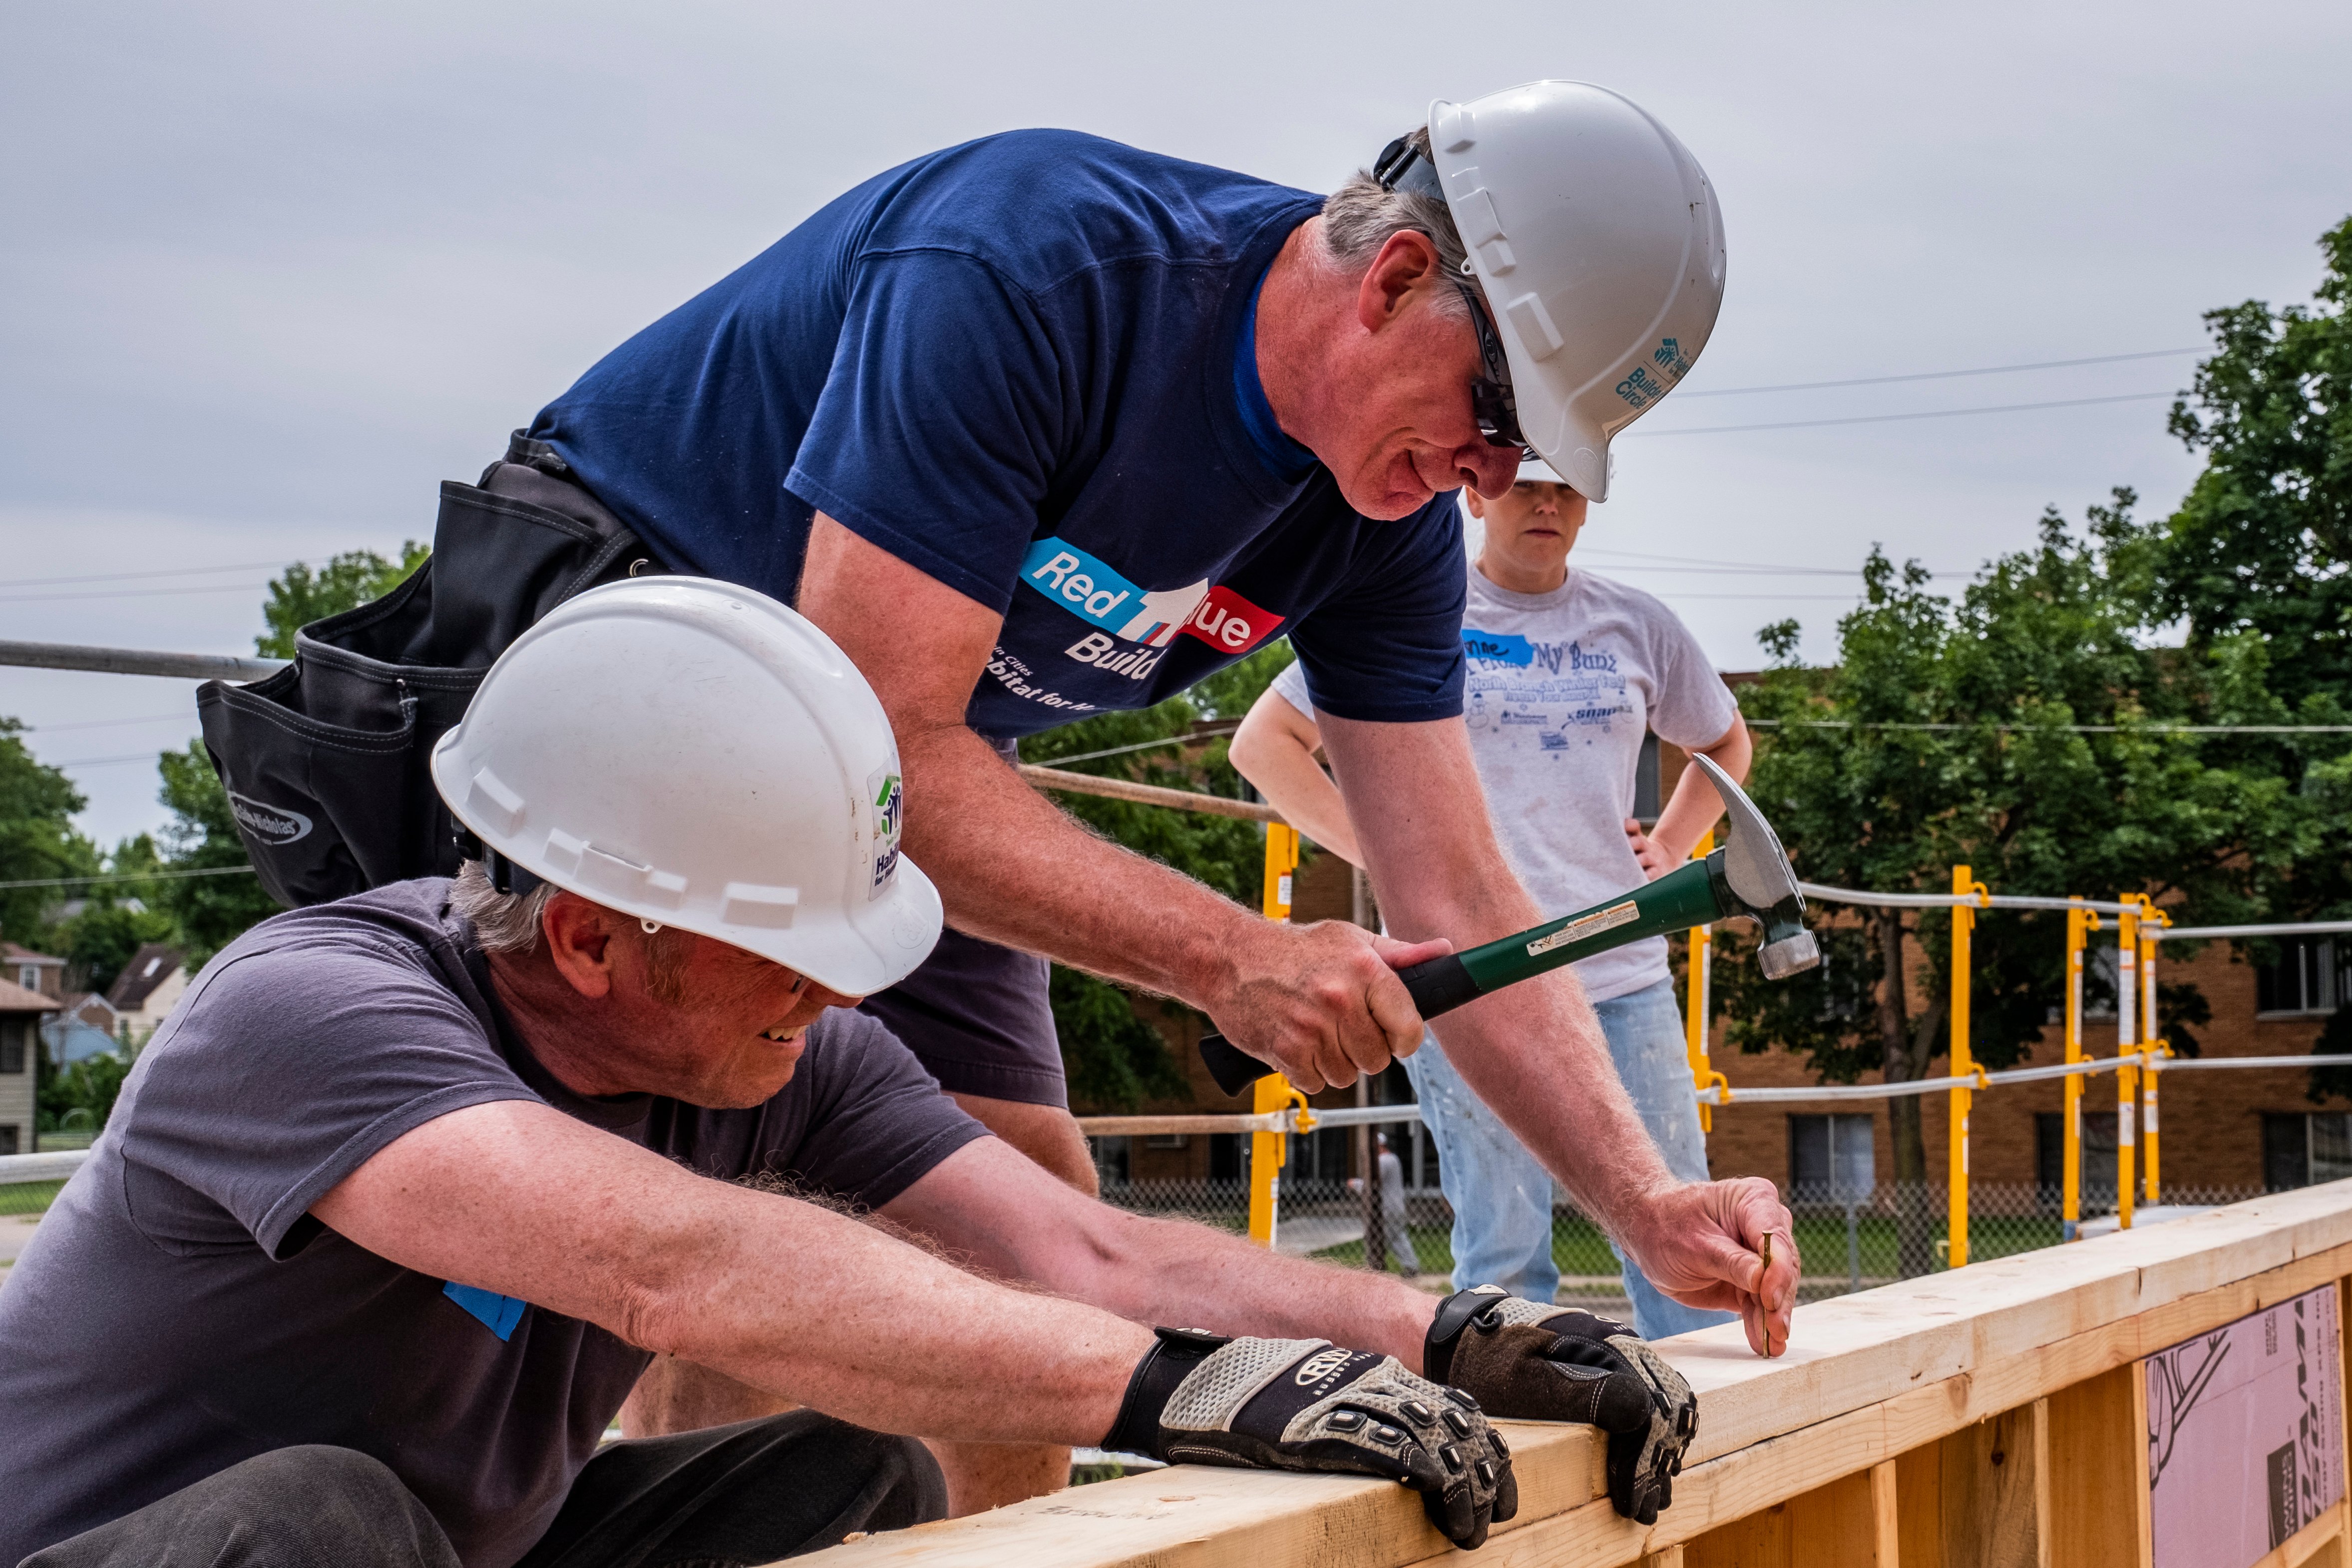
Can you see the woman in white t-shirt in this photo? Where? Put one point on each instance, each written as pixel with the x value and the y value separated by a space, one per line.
pixel 1567 670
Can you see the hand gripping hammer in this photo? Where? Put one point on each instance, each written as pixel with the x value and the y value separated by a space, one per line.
pixel 1750 877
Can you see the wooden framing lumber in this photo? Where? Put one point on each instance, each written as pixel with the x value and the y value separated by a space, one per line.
pixel 1869 1381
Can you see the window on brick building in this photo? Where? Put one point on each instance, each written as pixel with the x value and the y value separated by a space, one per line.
pixel 2098 1176
pixel 2302 1149
pixel 1830 1158
pixel 2100 967
pixel 2307 977
pixel 1111 1161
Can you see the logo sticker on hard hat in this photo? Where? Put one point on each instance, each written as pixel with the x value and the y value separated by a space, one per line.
pixel 889 798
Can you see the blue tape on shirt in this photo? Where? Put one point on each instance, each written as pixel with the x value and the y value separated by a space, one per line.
pixel 1499 648
pixel 500 1314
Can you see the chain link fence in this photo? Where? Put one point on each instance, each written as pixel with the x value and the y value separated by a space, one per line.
pixel 1850 1240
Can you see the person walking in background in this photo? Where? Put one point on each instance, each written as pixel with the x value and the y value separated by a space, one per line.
pixel 1567 670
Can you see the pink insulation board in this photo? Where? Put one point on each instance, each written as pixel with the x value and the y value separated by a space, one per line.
pixel 2245 1434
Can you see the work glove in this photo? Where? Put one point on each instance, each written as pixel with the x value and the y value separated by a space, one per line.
pixel 1308 1405
pixel 1524 1361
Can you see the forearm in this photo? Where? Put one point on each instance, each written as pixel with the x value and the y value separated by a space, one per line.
pixel 1015 868
pixel 1534 1051
pixel 1696 807
pixel 783 1294
pixel 1275 750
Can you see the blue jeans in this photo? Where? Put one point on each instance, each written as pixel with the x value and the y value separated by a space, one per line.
pixel 1502 1196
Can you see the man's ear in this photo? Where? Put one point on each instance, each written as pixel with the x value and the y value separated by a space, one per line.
pixel 579 936
pixel 1407 262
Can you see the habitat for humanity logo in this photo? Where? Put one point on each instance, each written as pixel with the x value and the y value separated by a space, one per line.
pixel 1136 621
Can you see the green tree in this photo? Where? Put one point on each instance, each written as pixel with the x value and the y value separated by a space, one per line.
pixel 2260 557
pixel 37 839
pixel 210 911
pixel 117 917
pixel 1114 1059
pixel 346 582
pixel 2018 730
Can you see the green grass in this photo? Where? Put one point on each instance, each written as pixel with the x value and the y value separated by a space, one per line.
pixel 28 1197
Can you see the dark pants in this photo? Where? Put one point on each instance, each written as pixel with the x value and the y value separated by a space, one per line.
pixel 725 1498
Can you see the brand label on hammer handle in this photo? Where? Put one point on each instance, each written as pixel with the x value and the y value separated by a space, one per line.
pixel 1592 924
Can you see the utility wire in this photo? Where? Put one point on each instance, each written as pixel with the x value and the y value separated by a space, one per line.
pixel 131 877
pixel 2062 729
pixel 107 723
pixel 105 761
pixel 1896 418
pixel 1943 374
pixel 130 593
pixel 129 577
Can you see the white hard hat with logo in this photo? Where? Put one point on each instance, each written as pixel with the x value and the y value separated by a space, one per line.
pixel 1599 245
pixel 697 755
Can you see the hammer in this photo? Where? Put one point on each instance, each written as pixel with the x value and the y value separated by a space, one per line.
pixel 1750 877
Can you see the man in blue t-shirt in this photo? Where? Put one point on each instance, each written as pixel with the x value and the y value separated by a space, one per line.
pixel 1040 427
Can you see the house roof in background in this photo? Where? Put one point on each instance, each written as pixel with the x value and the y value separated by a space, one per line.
pixel 11 953
pixel 153 963
pixel 14 998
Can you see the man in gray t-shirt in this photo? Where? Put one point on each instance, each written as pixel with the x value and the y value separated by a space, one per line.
pixel 1567 670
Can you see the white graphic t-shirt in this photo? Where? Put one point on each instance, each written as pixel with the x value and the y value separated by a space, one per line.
pixel 1561 687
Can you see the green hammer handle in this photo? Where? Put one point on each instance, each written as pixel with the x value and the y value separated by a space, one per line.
pixel 1692 895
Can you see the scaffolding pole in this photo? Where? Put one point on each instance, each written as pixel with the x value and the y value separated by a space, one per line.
pixel 2126 1075
pixel 1967 893
pixel 1698 1005
pixel 2081 920
pixel 1273 1092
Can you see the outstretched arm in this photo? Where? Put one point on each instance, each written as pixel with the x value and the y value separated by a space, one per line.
pixel 1275 750
pixel 1534 1051
pixel 519 1198
pixel 985 1202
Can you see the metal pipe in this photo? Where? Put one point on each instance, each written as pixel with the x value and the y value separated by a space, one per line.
pixel 1966 889
pixel 2126 1078
pixel 51 1167
pixel 138 661
pixel 2292 928
pixel 1148 794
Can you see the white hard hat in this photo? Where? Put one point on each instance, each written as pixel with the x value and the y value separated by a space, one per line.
pixel 1599 244
pixel 1536 471
pixel 696 754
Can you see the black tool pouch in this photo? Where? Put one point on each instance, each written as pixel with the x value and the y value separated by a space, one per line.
pixel 325 762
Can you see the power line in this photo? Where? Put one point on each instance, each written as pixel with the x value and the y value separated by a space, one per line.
pixel 1943 374
pixel 130 593
pixel 105 761
pixel 2062 729
pixel 107 723
pixel 1893 418
pixel 131 877
pixel 129 576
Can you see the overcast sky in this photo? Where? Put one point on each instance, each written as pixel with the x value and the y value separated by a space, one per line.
pixel 271 273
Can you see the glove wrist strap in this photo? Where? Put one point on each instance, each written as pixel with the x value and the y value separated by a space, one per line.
pixel 1167 1363
pixel 1453 1315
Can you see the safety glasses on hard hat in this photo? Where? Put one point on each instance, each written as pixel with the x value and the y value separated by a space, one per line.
pixel 1402 165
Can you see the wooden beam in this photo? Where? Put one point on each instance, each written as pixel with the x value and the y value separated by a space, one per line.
pixel 1147 794
pixel 2099 1471
pixel 1867 1378
pixel 1994 1498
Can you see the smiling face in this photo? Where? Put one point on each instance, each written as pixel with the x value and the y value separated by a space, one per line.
pixel 1373 375
pixel 611 1008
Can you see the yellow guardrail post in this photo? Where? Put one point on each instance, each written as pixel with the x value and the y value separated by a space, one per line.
pixel 2153 1048
pixel 1963 1063
pixel 2080 924
pixel 2126 1036
pixel 1699 1001
pixel 1268 1151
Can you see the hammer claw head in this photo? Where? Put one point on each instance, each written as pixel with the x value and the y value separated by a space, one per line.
pixel 1753 861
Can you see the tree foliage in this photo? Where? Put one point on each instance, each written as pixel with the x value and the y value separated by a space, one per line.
pixel 38 838
pixel 1114 1059
pixel 346 582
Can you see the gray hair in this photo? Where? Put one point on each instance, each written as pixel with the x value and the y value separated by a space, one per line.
pixel 1360 217
pixel 502 923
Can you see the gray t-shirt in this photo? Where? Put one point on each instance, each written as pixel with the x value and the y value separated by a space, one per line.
pixel 1561 687
pixel 179 1310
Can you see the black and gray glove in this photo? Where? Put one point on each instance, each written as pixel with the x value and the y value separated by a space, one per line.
pixel 1307 1404
pixel 1524 1361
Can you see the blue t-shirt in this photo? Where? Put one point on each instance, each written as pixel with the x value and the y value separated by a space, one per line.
pixel 1022 366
